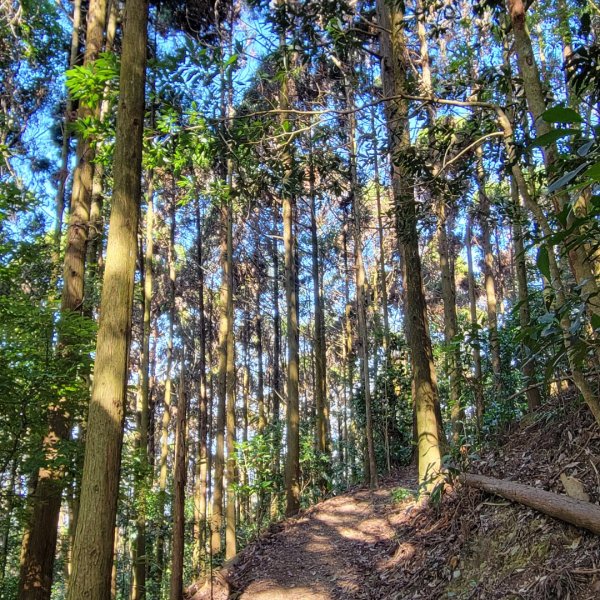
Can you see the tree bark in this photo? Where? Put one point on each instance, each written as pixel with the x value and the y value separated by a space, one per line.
pixel 243 474
pixel 292 465
pixel 488 272
pixel 93 547
pixel 476 349
pixel 179 482
pixel 527 359
pixel 534 93
pixel 81 194
pixel 95 244
pixel 528 364
pixel 323 442
pixel 391 424
pixel 201 489
pixel 292 471
pixel 348 365
pixel 138 591
pixel 426 401
pixel 168 398
pixel 113 571
pixel 223 343
pixel 452 350
pixel 59 199
pixel 39 540
pixel 277 391
pixel 361 285
pixel 457 413
pixel 230 526
pixel 260 378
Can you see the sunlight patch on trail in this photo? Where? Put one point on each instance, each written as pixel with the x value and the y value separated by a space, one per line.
pixel 332 551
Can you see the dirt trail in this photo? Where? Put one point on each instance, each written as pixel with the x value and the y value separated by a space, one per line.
pixel 468 546
pixel 337 549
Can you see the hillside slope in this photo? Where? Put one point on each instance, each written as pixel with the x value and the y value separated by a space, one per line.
pixel 380 545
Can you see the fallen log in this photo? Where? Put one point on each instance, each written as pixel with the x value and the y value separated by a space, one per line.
pixel 576 512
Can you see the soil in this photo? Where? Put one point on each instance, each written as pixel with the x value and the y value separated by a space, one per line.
pixel 337 549
pixel 383 545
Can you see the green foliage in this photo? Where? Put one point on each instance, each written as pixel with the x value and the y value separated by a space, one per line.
pixel 189 146
pixel 88 83
pixel 547 139
pixel 543 262
pixel 10 585
pixel 36 372
pixel 583 69
pixel 401 494
pixel 579 165
pixel 255 457
pixel 32 41
pixel 391 410
pixel 180 147
pixel 561 114
pixel 314 468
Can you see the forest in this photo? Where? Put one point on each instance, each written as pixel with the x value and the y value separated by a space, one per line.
pixel 264 263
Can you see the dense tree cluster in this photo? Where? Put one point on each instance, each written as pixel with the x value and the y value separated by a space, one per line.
pixel 253 253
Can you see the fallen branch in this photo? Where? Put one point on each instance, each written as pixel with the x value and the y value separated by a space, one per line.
pixel 576 512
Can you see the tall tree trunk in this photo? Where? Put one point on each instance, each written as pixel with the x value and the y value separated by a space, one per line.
pixel 534 93
pixel 96 225
pixel 348 362
pixel 476 348
pixel 211 430
pixel 245 496
pixel 533 393
pixel 163 468
pixel 292 466
pixel 179 482
pixel 260 390
pixel 277 390
pixel 361 288
pixel 230 525
pixel 93 547
pixel 391 427
pixel 39 540
pixel 579 377
pixel 59 200
pixel 152 401
pixel 113 571
pixel 426 401
pixel 223 344
pixel 457 413
pixel 452 350
pixel 292 471
pixel 260 377
pixel 138 591
pixel 528 360
pixel 322 405
pixel 381 246
pixel 488 272
pixel 201 489
pixel 81 194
